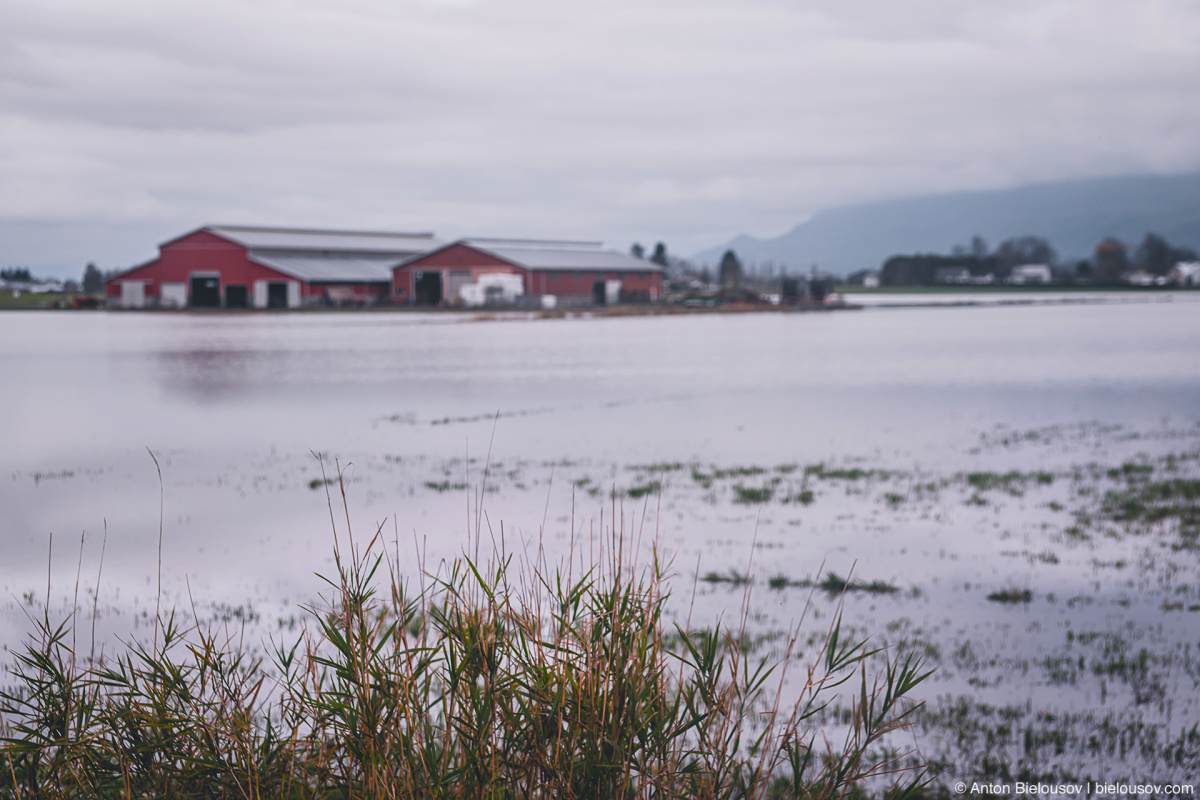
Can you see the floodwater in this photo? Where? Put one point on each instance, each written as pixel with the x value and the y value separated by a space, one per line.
pixel 568 415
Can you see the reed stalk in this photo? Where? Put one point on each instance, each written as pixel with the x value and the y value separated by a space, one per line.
pixel 496 677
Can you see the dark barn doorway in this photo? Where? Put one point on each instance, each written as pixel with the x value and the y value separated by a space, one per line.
pixel 427 288
pixel 277 295
pixel 206 292
pixel 237 297
pixel 599 295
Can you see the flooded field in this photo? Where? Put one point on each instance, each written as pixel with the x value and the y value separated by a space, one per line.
pixel 1012 491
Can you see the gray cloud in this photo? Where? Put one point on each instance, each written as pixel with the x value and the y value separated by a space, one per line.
pixel 683 121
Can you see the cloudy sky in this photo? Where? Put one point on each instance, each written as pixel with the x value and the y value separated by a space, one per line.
pixel 126 122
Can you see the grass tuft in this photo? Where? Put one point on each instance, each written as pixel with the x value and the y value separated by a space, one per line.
pixel 493 679
pixel 653 487
pixel 749 495
pixel 1011 596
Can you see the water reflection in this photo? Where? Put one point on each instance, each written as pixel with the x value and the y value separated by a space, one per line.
pixel 209 374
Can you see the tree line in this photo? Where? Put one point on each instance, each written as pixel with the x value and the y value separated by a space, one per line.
pixel 92 281
pixel 731 275
pixel 1111 262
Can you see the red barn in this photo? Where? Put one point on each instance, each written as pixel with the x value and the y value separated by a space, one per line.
pixel 230 266
pixel 574 273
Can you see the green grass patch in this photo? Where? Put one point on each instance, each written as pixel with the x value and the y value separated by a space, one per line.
pixel 836 584
pixel 444 486
pixel 1175 499
pixel 26 300
pixel 706 479
pixel 653 487
pixel 1131 470
pixel 751 495
pixel 844 474
pixel 1011 596
pixel 732 578
pixel 984 481
pixel 833 584
pixel 661 466
pixel 737 472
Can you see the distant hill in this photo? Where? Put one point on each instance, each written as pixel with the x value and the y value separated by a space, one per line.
pixel 1074 216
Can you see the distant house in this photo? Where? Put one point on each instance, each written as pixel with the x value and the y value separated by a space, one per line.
pixel 574 273
pixel 1031 274
pixel 868 279
pixel 1186 273
pixel 952 275
pixel 32 287
pixel 235 266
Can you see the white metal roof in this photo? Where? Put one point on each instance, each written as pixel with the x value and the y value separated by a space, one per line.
pixel 548 255
pixel 335 268
pixel 300 239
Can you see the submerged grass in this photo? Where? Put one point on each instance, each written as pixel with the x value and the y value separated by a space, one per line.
pixel 850 474
pixel 497 679
pixel 732 578
pixel 444 486
pixel 833 583
pixel 1011 596
pixel 804 497
pixel 1155 501
pixel 652 487
pixel 751 495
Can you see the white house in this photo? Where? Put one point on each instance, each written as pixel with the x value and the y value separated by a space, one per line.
pixel 1186 273
pixel 1030 274
pixel 32 287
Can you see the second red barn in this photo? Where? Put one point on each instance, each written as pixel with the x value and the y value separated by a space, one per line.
pixel 475 272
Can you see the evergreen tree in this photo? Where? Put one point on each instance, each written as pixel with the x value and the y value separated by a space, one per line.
pixel 660 254
pixel 1157 256
pixel 637 251
pixel 93 279
pixel 730 274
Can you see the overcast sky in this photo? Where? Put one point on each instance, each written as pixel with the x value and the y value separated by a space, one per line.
pixel 126 122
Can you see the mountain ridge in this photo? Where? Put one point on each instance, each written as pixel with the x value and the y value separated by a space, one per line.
pixel 1073 215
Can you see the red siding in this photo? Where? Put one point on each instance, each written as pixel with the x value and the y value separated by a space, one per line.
pixel 455 257
pixel 568 282
pixel 200 251
pixel 556 282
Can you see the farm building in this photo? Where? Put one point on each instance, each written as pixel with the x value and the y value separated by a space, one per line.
pixel 471 272
pixel 1031 274
pixel 230 266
